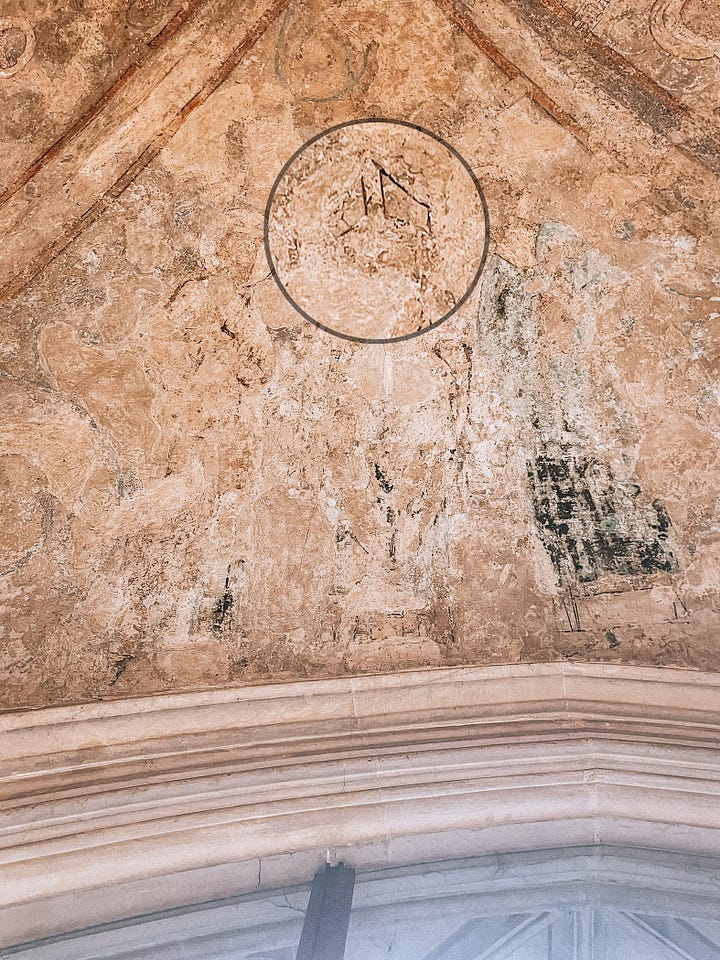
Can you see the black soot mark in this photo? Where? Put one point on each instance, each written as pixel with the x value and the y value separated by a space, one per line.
pixel 385 485
pixel 222 606
pixel 121 665
pixel 591 523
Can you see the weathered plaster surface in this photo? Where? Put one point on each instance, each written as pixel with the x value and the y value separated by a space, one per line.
pixel 199 487
pixel 79 51
pixel 376 231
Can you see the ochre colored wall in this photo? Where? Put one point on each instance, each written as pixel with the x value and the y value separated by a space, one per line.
pixel 202 488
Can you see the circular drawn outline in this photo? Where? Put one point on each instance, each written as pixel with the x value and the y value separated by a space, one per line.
pixel 348 336
pixel 25 57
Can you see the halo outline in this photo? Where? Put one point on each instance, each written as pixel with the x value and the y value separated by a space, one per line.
pixel 347 336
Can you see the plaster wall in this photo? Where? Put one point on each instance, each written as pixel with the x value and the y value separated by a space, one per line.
pixel 200 488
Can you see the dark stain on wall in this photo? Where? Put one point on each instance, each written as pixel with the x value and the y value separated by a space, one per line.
pixel 591 523
pixel 223 606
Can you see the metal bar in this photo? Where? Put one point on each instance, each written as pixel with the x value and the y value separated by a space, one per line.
pixel 562 938
pixel 490 938
pixel 679 935
pixel 506 947
pixel 662 948
pixel 584 934
pixel 328 915
pixel 473 937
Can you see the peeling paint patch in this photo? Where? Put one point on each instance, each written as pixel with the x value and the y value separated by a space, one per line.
pixel 506 313
pixel 591 523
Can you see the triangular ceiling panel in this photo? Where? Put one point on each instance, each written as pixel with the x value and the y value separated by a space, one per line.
pixel 202 487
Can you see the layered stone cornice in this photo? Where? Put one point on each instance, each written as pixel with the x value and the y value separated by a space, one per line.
pixel 134 805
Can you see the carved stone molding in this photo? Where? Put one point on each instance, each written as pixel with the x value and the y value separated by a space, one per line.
pixel 125 807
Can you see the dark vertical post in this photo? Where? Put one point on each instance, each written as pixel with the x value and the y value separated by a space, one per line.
pixel 328 915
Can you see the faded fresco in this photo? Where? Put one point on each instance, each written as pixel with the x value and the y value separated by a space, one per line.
pixel 200 487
